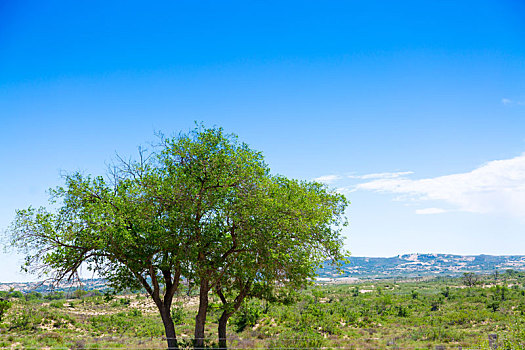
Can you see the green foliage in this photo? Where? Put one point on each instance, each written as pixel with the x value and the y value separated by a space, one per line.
pixel 57 304
pixel 402 311
pixel 32 319
pixel 122 324
pixel 50 339
pixel 135 313
pixel 414 294
pixel 294 340
pixel 247 316
pixel 470 279
pixel 15 294
pixel 109 295
pixel 4 306
pixel 178 314
pixel 323 316
pixel 26 320
pixel 79 293
pixel 203 207
pixel 33 296
pixel 94 293
pixel 493 305
pixel 55 296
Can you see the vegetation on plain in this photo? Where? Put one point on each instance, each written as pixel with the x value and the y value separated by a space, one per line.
pixel 407 314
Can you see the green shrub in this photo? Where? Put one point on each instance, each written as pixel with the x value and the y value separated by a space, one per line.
pixel 26 320
pixel 50 339
pixel 135 313
pixel 94 293
pixel 79 293
pixel 493 305
pixel 57 304
pixel 121 323
pixel 293 340
pixel 55 296
pixel 4 306
pixel 247 315
pixel 109 295
pixel 402 311
pixel 33 296
pixel 178 314
pixel 15 294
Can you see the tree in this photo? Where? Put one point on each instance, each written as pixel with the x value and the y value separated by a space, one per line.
pixel 215 176
pixel 118 231
pixel 204 207
pixel 288 229
pixel 250 231
pixel 496 275
pixel 470 279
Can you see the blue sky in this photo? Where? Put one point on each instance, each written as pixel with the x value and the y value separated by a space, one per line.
pixel 415 110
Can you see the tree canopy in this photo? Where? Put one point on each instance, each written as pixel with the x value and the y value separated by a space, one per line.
pixel 202 207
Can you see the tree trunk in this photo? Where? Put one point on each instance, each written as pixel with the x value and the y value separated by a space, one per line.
pixel 200 319
pixel 223 321
pixel 169 328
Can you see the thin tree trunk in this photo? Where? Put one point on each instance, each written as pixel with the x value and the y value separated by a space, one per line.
pixel 200 319
pixel 223 322
pixel 169 328
pixel 164 307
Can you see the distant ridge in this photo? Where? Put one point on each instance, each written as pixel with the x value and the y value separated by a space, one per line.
pixel 407 265
pixel 415 265
pixel 87 284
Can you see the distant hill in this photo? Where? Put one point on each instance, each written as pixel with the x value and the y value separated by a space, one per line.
pixel 88 284
pixel 414 265
pixel 408 265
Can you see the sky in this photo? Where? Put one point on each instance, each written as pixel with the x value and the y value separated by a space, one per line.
pixel 414 110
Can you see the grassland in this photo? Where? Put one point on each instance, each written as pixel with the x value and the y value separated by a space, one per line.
pixel 372 314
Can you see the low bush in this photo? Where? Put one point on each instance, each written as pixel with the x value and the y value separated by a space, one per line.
pixel 4 306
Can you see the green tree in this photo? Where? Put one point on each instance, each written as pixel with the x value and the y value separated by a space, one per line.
pixel 286 230
pixel 470 279
pixel 250 231
pixel 215 176
pixel 119 231
pixel 204 207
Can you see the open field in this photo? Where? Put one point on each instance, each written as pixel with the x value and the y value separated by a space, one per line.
pixel 366 315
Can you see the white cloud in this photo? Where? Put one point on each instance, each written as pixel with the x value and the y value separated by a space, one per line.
pixel 495 187
pixel 328 178
pixel 509 102
pixel 380 175
pixel 428 211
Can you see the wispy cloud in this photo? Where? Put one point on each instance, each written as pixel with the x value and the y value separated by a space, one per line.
pixel 509 102
pixel 428 211
pixel 328 179
pixel 381 175
pixel 495 187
